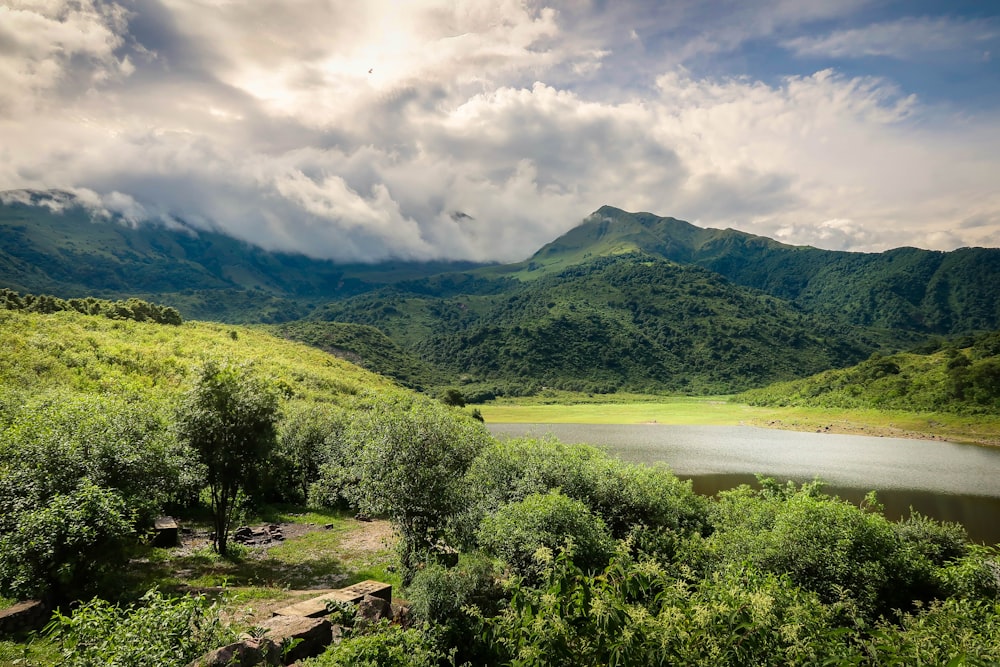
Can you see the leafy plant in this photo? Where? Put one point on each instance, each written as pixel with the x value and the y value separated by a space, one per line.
pixel 156 631
pixel 69 548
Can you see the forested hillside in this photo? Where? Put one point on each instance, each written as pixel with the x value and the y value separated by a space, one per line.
pixel 905 288
pixel 961 376
pixel 54 245
pixel 626 321
pixel 623 301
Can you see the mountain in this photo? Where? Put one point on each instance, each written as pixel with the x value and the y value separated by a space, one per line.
pixel 626 321
pixel 917 290
pixel 205 274
pixel 622 301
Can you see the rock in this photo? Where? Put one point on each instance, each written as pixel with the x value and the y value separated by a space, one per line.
pixel 244 653
pixel 372 609
pixel 315 635
pixel 401 615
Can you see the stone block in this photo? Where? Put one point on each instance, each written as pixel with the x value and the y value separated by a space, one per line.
pixel 166 532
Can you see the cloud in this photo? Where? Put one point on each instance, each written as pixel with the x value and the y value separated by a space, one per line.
pixel 908 38
pixel 483 130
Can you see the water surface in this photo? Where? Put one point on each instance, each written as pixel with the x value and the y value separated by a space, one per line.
pixel 948 481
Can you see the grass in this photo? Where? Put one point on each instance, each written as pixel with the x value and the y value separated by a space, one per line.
pixel 718 411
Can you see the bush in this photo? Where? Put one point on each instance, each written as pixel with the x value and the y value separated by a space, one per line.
pixel 825 545
pixel 622 494
pixel 310 438
pixel 158 631
pixel 71 548
pixel 551 521
pixel 452 600
pixel 384 646
pixel 410 464
pixel 55 441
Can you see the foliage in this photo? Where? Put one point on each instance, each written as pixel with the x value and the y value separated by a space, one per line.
pixel 545 523
pixel 383 646
pixel 621 494
pixel 55 440
pixel 366 346
pixel 453 600
pixel 959 377
pixel 410 462
pixel 828 546
pixel 157 631
pixel 70 547
pixel 310 439
pixel 229 418
pixel 130 309
pixel 636 613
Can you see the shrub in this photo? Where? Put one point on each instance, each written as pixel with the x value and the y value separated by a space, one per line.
pixel 410 464
pixel 383 646
pixel 68 549
pixel 55 441
pixel 516 532
pixel 158 631
pixel 623 494
pixel 454 599
pixel 825 545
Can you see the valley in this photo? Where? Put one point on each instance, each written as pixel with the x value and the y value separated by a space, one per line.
pixel 148 370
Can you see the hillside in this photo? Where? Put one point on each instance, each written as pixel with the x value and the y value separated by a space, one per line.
pixel 623 301
pixel 365 346
pixel 629 321
pixel 905 288
pixel 69 352
pixel 204 274
pixel 959 377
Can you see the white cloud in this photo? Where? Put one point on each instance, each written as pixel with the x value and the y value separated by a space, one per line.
pixel 908 38
pixel 264 122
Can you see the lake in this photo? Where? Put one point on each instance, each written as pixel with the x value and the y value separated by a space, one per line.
pixel 944 480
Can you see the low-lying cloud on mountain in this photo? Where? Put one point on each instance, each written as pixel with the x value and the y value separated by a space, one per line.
pixel 482 130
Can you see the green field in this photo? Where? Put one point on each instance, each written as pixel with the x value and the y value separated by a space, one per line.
pixel 718 411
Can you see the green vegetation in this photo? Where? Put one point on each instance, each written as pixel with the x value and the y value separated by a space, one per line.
pixel 623 302
pixel 516 552
pixel 629 322
pixel 367 347
pixel 961 377
pixel 130 309
pixel 229 420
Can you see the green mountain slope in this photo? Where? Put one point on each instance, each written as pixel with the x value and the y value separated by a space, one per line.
pixel 962 376
pixel 204 274
pixel 905 288
pixel 365 346
pixel 627 321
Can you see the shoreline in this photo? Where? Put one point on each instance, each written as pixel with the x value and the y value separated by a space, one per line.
pixel 871 430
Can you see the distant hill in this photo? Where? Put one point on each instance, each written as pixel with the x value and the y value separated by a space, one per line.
pixel 905 288
pixel 962 376
pixel 628 321
pixel 622 301
pixel 367 347
pixel 204 274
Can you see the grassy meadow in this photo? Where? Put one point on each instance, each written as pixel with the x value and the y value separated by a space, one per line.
pixel 722 411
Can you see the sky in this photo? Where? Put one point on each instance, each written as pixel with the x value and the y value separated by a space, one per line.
pixel 433 129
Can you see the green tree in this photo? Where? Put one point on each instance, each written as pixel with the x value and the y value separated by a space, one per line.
pixel 229 418
pixel 410 465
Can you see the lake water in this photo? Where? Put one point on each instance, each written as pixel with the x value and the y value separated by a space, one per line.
pixel 944 480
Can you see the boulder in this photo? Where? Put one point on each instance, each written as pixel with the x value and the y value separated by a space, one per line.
pixel 372 609
pixel 244 653
pixel 315 635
